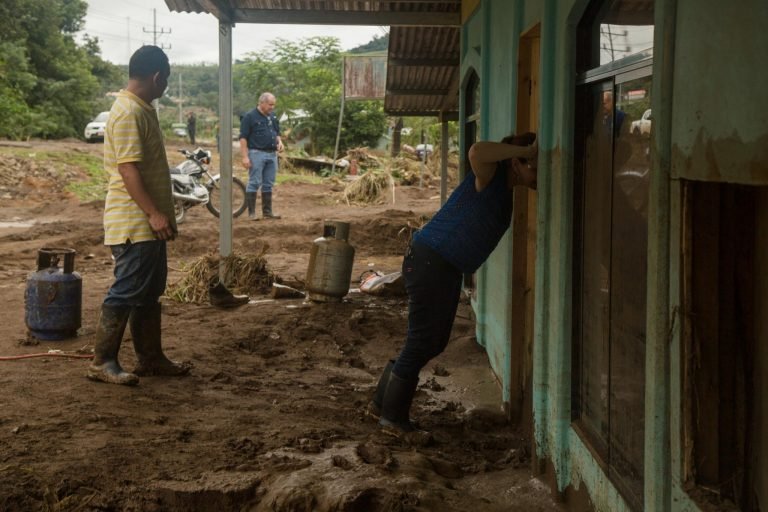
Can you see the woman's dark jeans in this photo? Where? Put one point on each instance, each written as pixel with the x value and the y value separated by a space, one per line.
pixel 433 287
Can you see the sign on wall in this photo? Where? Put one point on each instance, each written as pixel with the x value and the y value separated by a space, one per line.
pixel 365 77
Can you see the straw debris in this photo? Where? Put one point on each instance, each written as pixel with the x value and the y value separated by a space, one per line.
pixel 242 274
pixel 369 187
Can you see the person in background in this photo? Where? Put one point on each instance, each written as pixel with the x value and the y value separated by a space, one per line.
pixel 216 131
pixel 191 127
pixel 456 241
pixel 138 221
pixel 259 143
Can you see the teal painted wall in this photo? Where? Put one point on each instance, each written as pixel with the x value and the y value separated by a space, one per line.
pixel 498 83
pixel 720 110
pixel 710 123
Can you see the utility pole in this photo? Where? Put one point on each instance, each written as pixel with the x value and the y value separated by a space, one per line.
pixel 155 33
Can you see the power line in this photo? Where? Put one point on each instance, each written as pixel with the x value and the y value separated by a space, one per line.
pixel 118 20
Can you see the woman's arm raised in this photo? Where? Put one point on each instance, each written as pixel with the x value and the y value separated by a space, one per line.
pixel 484 158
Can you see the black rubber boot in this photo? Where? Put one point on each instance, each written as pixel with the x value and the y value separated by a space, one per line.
pixel 396 404
pixel 266 206
pixel 221 297
pixel 250 201
pixel 109 335
pixel 374 407
pixel 146 331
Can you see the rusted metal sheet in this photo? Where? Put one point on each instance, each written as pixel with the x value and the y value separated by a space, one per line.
pixel 365 77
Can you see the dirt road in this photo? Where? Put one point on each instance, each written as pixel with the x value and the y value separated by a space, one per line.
pixel 272 417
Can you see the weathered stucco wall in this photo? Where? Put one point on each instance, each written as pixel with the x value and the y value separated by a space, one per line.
pixel 720 107
pixel 497 110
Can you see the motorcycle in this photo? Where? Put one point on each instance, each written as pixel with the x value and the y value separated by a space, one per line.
pixel 194 185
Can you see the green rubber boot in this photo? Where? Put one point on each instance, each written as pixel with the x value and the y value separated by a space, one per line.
pixel 109 336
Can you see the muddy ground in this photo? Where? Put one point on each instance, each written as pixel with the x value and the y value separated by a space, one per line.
pixel 273 414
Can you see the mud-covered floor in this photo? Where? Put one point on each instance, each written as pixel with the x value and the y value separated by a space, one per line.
pixel 273 414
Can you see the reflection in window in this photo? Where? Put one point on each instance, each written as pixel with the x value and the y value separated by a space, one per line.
pixel 614 30
pixel 620 41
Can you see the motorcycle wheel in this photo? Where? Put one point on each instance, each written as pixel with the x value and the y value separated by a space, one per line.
pixel 179 211
pixel 238 197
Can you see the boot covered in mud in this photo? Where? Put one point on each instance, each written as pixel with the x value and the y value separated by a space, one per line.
pixel 374 407
pixel 250 201
pixel 266 206
pixel 145 324
pixel 109 336
pixel 221 297
pixel 396 404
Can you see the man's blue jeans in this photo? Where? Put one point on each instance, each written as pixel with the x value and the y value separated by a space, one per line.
pixel 141 270
pixel 434 288
pixel 263 171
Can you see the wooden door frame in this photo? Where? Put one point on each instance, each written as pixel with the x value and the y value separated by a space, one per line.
pixel 524 239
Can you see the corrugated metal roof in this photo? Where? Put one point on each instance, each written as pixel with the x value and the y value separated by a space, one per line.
pixel 239 9
pixel 423 71
pixel 423 57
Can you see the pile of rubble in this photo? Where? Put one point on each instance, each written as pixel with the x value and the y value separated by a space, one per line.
pixel 28 178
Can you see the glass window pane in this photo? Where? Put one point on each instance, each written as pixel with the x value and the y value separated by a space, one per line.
pixel 596 238
pixel 629 248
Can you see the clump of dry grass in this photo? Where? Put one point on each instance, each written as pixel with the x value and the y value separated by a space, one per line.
pixel 242 274
pixel 49 497
pixel 369 187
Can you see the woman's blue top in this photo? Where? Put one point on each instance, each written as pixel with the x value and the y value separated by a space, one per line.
pixel 468 227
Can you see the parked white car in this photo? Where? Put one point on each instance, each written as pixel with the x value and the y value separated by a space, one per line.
pixel 643 125
pixel 179 130
pixel 94 131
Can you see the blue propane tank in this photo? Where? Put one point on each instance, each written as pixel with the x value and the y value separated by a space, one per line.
pixel 53 297
pixel 330 264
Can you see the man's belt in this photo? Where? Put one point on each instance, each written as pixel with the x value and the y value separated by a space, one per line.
pixel 264 149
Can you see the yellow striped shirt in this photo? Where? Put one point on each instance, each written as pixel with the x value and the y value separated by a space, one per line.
pixel 133 135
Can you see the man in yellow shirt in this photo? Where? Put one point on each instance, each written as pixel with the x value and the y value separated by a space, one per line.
pixel 138 220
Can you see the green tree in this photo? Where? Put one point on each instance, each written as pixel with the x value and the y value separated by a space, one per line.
pixel 111 78
pixel 15 79
pixel 48 85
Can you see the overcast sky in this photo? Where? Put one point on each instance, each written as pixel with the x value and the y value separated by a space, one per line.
pixel 122 26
